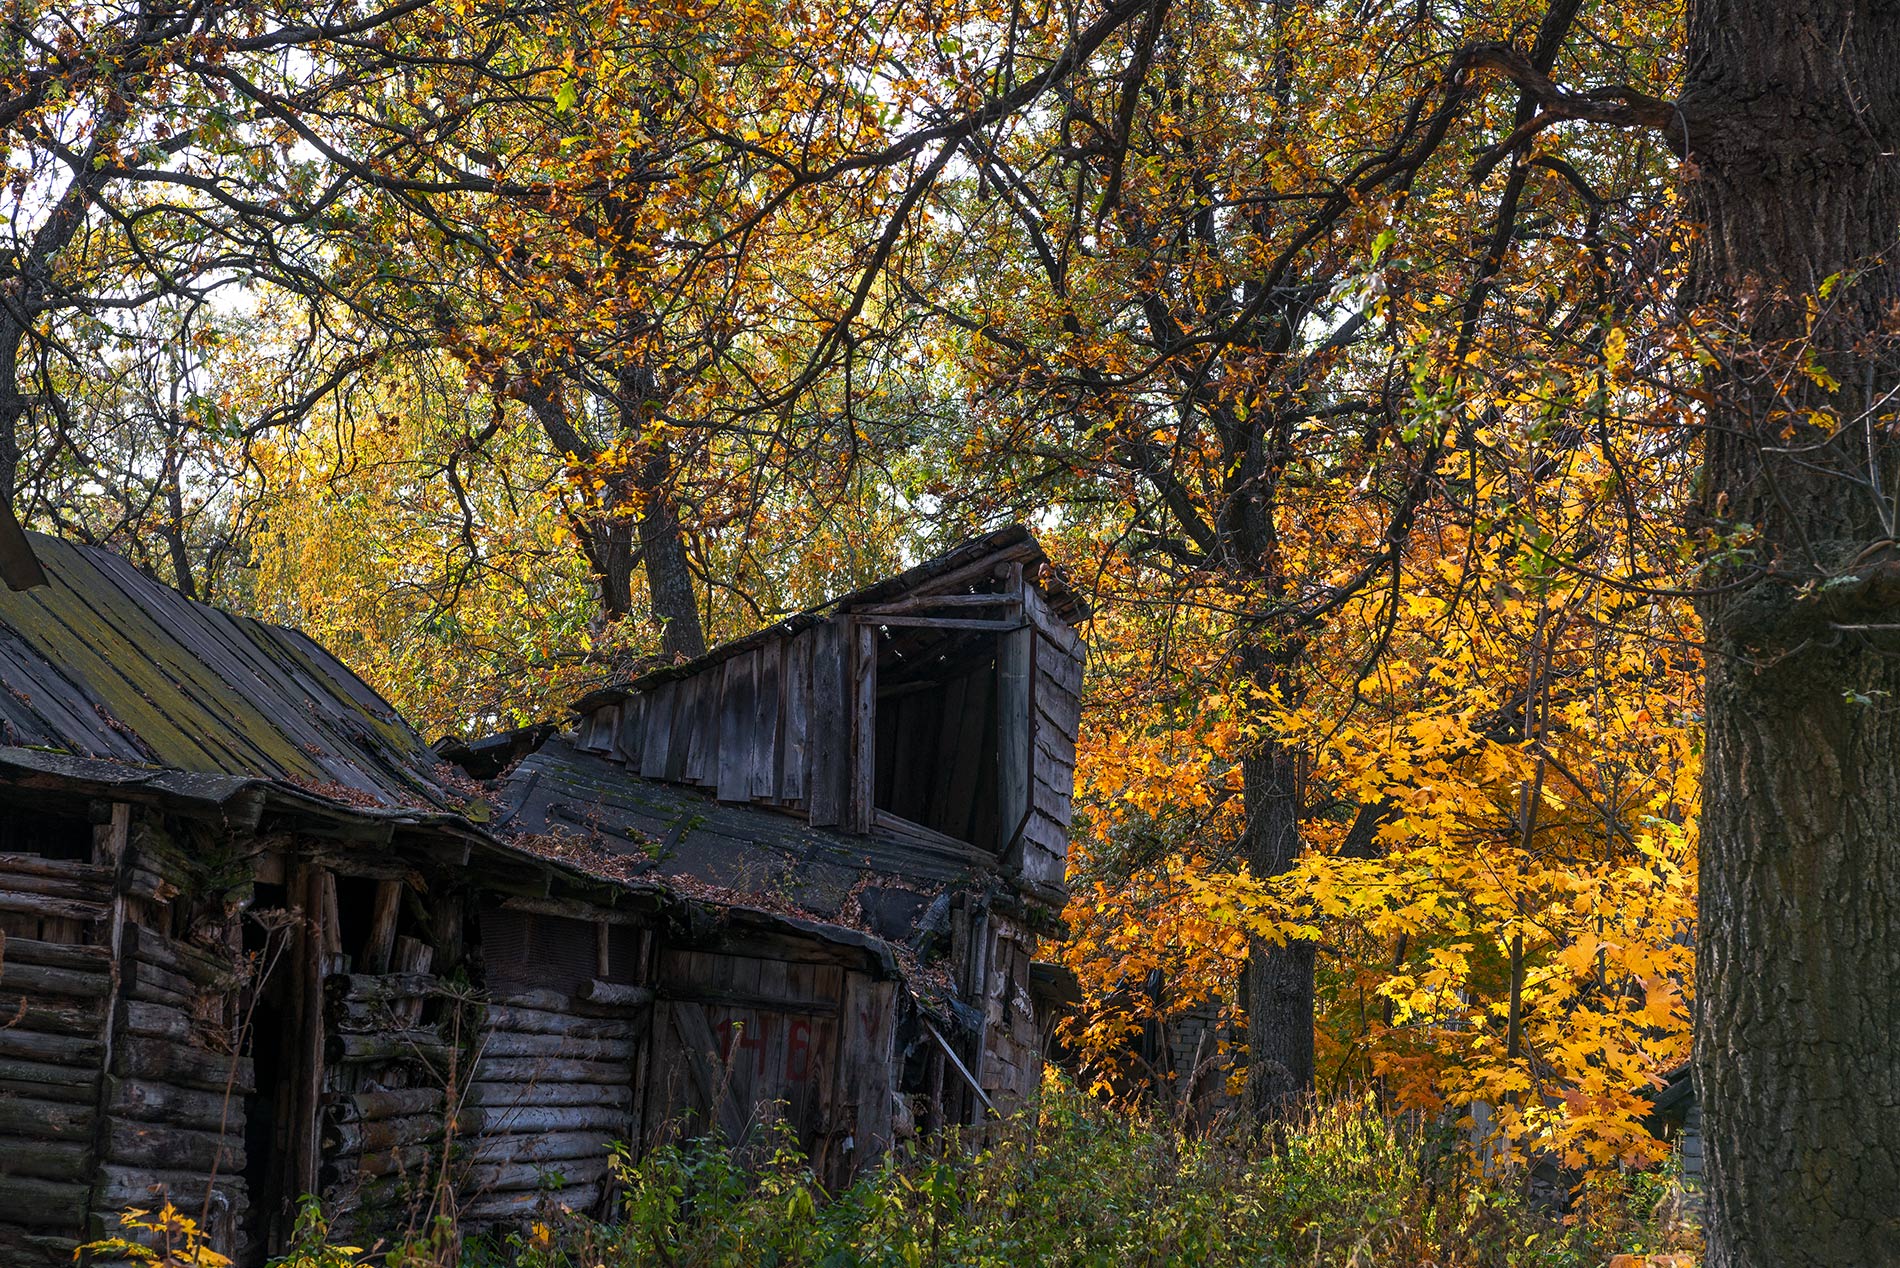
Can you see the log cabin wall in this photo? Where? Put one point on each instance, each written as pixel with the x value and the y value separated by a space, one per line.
pixel 56 994
pixel 256 949
pixel 559 1053
pixel 121 1076
pixel 483 1043
pixel 231 1022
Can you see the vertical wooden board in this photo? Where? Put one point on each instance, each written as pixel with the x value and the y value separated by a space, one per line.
pixel 596 732
pixel 800 982
pixel 829 744
pixel 659 729
pixel 763 762
pixel 685 721
pixel 742 1034
pixel 774 983
pixel 632 730
pixel 867 1076
pixel 702 750
pixel 795 717
pixel 735 725
pixel 948 814
pixel 381 942
pixel 863 722
pixel 1015 661
pixel 681 1083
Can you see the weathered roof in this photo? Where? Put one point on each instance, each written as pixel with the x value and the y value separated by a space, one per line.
pixel 115 685
pixel 104 662
pixel 682 835
pixel 1015 543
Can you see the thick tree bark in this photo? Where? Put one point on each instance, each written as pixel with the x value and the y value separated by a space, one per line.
pixel 1279 985
pixel 1794 119
pixel 1279 977
pixel 19 567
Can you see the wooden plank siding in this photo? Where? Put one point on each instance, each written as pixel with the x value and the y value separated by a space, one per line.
pixel 735 728
pixel 982 751
pixel 794 753
pixel 828 793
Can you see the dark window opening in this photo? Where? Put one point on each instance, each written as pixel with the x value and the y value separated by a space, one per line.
pixel 936 730
pixel 623 954
pixel 528 951
pixel 48 834
pixel 355 911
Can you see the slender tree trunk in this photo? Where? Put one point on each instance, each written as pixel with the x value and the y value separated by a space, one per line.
pixel 174 530
pixel 1793 121
pixel 670 591
pixel 608 537
pixel 19 567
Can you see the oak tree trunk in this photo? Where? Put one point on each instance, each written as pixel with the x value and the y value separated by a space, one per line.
pixel 1792 119
pixel 607 537
pixel 670 593
pixel 1279 977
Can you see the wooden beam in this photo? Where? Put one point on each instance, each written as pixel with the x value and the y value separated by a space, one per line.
pixel 1015 736
pixel 957 1062
pixel 918 602
pixel 861 805
pixel 309 1045
pixel 381 942
pixel 943 623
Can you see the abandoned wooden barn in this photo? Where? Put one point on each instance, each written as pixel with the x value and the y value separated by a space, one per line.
pixel 260 941
pixel 899 760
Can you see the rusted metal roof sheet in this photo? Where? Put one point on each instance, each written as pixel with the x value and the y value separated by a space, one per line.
pixel 105 662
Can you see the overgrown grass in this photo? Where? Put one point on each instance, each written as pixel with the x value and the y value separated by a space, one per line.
pixel 1073 1184
pixel 1080 1185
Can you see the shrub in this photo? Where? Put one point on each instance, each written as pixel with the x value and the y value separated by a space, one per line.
pixel 1075 1184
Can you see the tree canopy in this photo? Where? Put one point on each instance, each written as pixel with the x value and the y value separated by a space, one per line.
pixel 1447 434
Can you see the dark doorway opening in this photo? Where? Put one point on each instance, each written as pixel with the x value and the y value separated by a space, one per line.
pixel 937 730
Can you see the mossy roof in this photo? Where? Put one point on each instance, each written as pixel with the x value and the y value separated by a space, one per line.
pixel 106 662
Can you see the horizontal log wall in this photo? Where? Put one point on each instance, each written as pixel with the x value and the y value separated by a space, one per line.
pixel 118 1083
pixel 520 1096
pixel 53 1006
pixel 176 1086
pixel 552 1091
pixel 384 1104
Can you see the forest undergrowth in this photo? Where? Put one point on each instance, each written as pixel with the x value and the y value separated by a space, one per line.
pixel 1074 1182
